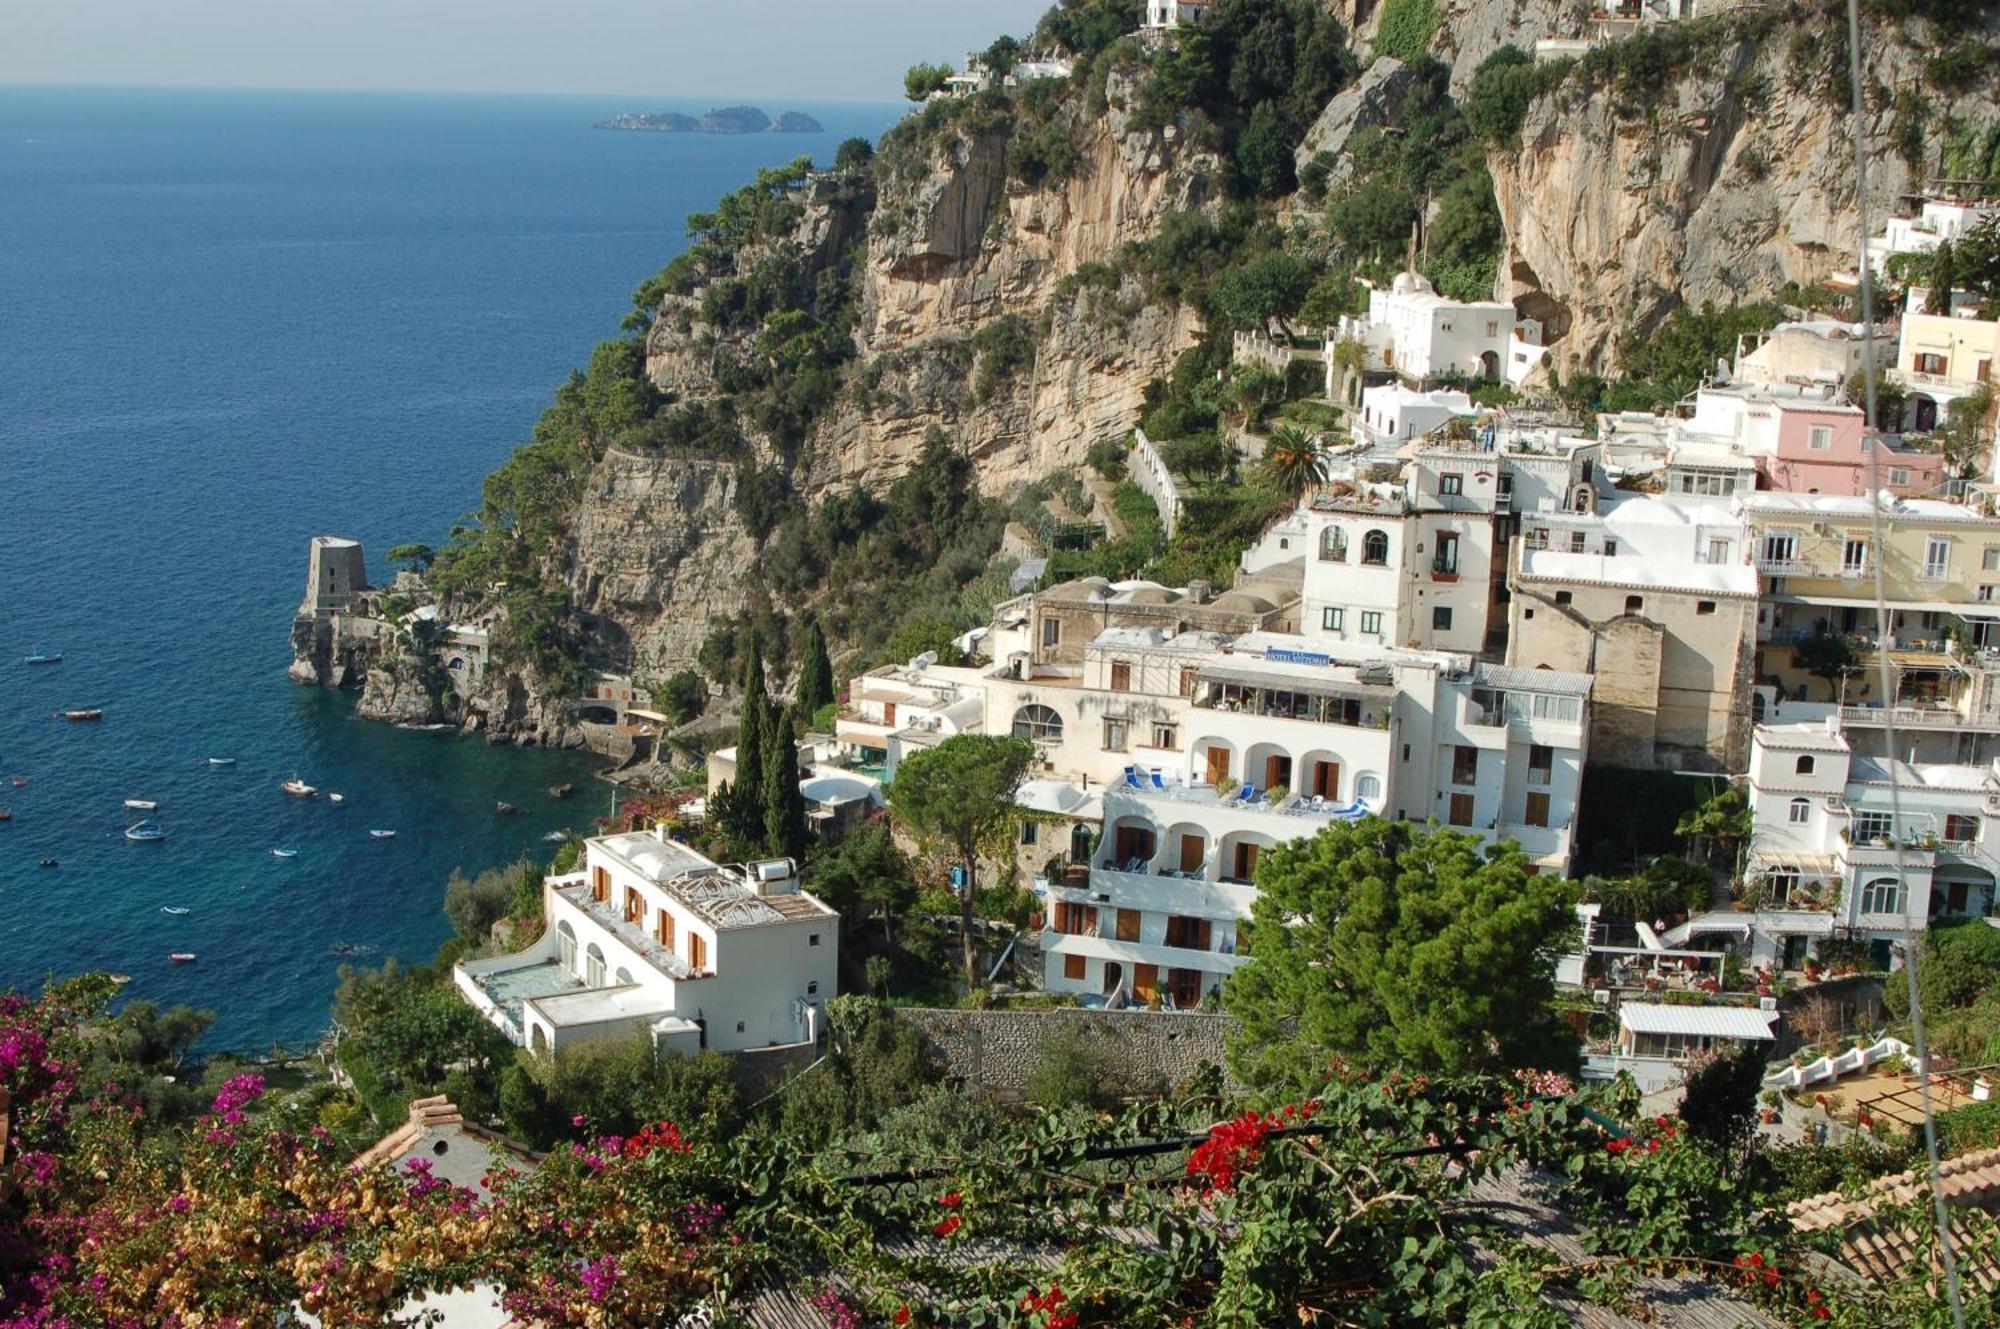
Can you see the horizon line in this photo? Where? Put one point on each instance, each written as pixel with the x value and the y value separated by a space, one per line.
pixel 52 85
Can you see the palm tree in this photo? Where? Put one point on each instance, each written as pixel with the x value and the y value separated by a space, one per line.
pixel 1293 460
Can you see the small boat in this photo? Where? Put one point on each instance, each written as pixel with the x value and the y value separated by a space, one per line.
pixel 555 837
pixel 336 798
pixel 284 851
pixel 562 790
pixel 6 814
pixel 42 657
pixel 505 809
pixel 20 782
pixel 222 761
pixel 298 788
pixel 141 804
pixel 382 835
pixel 183 957
pixel 85 713
pixel 120 979
pixel 175 910
pixel 144 831
pixel 47 863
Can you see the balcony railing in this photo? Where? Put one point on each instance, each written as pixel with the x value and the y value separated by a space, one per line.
pixel 1788 567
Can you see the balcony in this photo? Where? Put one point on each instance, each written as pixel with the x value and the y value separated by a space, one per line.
pixel 631 937
pixel 1913 717
pixel 1788 567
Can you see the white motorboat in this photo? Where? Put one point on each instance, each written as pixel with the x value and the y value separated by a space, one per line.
pixel 284 851
pixel 141 804
pixel 382 835
pixel 298 788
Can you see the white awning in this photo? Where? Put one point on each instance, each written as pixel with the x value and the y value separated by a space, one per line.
pixel 1738 1022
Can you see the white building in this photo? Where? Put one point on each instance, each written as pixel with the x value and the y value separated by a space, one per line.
pixel 650 936
pixel 1420 334
pixel 1392 413
pixel 1827 856
pixel 1814 353
pixel 893 710
pixel 1162 15
pixel 1940 219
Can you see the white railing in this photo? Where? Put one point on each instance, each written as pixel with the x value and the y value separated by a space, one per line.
pixel 1828 1069
pixel 1155 481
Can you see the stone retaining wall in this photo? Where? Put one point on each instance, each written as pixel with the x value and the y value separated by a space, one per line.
pixel 1143 1052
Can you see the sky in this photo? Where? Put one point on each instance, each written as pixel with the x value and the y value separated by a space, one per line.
pixel 801 50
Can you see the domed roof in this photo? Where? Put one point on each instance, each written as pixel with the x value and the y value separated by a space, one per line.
pixel 1153 595
pixel 1412 283
pixel 1242 602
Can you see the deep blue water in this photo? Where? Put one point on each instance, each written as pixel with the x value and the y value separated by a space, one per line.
pixel 229 321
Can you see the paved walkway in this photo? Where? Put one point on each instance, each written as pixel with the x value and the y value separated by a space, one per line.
pixel 1101 491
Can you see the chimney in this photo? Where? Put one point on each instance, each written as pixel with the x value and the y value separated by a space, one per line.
pixel 1199 592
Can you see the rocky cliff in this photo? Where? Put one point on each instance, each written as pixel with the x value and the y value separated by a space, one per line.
pixel 1723 180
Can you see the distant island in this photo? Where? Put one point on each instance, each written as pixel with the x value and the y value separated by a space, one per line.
pixel 723 120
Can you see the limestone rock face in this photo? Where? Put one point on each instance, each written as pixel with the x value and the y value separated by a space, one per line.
pixel 656 552
pixel 1368 104
pixel 402 690
pixel 1731 182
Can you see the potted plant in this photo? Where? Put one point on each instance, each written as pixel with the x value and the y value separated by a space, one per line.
pixel 1813 970
pixel 1277 794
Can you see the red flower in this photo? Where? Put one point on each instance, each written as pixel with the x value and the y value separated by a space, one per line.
pixel 1231 1147
pixel 949 1226
pixel 951 1199
pixel 1617 1146
pixel 902 1315
pixel 1821 1313
pixel 1652 1146
pixel 1757 1260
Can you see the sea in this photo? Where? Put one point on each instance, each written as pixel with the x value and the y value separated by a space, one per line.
pixel 230 321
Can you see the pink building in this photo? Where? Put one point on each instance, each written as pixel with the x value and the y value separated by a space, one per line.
pixel 1820 449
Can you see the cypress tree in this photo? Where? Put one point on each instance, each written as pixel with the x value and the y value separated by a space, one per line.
pixel 746 808
pixel 1943 277
pixel 784 805
pixel 815 674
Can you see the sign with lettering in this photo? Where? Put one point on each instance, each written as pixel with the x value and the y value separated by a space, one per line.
pixel 1298 657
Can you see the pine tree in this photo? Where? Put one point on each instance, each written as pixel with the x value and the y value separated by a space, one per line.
pixel 1943 276
pixel 784 805
pixel 815 674
pixel 745 812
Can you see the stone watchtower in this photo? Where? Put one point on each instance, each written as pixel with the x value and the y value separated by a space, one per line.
pixel 335 571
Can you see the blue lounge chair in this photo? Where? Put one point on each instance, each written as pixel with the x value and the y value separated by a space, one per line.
pixel 1132 779
pixel 1158 781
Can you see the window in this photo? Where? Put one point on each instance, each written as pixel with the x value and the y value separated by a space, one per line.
pixel 1961 829
pixel 1368 788
pixel 1781 547
pixel 1165 736
pixel 1464 765
pixel 1937 558
pixel 1332 618
pixel 1884 895
pixel 1541 763
pixel 1610 547
pixel 1634 603
pixel 1985 593
pixel 1121 676
pixel 1038 722
pixel 1853 558
pixel 1931 362
pixel 1031 833
pixel 1440 619
pixel 1116 736
pixel 1704 607
pixel 1375 549
pixel 1371 623
pixel 1718 551
pixel 665 929
pixel 1564 597
pixel 1899 476
pixel 1800 811
pixel 1333 545
pixel 1445 561
pixel 1492 327
pixel 593 966
pixel 1051 632
pixel 1450 485
pixel 1989 558
pixel 1128 925
pixel 697 952
pixel 1576 542
pixel 1190 675
pixel 1073 967
pixel 812 988
pixel 1819 438
pixel 1538 538
pixel 812 938
pixel 1804 766
pixel 1868 827
pixel 1536 811
pixel 635 905
pixel 1461 810
pixel 600 884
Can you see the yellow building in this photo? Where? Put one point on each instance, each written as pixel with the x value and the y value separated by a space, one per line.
pixel 1817 556
pixel 1941 358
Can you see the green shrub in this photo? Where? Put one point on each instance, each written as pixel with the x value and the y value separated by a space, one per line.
pixel 1505 85
pixel 1406 29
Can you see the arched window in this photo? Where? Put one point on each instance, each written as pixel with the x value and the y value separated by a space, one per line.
pixel 593 966
pixel 566 945
pixel 1804 767
pixel 1800 811
pixel 623 976
pixel 1375 549
pixel 1884 895
pixel 1368 788
pixel 1333 545
pixel 1038 722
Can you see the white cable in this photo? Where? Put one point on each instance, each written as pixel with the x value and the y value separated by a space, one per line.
pixel 1872 441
